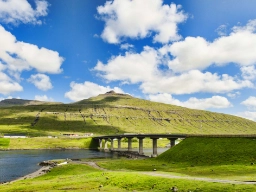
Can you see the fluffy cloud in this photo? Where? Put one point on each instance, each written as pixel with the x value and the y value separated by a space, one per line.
pixel 19 56
pixel 234 95
pixel 13 11
pixel 144 68
pixel 41 81
pixel 248 72
pixel 194 103
pixel 126 46
pixel 194 81
pixel 43 98
pixel 250 103
pixel 132 67
pixel 197 53
pixel 222 30
pixel 124 18
pixel 7 85
pixel 248 115
pixel 87 89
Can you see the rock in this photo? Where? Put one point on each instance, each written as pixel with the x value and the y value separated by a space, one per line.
pixel 252 163
pixel 174 189
pixel 48 163
pixel 154 169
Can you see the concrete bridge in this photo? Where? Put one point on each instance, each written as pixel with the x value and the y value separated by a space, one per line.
pixel 154 137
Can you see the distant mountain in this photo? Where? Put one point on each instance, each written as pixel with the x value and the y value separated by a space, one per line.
pixel 115 113
pixel 23 102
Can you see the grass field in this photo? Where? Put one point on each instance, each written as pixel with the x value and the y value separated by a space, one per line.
pixel 183 160
pixel 84 178
pixel 47 143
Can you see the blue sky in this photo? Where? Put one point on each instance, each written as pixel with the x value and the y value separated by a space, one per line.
pixel 192 53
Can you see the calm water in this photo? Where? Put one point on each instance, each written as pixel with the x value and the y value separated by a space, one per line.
pixel 17 163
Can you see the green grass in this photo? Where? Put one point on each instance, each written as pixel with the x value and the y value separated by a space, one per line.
pixel 4 143
pixel 50 143
pixel 223 158
pixel 212 151
pixel 84 178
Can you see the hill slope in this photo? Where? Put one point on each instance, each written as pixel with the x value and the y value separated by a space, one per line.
pixel 23 102
pixel 212 151
pixel 113 113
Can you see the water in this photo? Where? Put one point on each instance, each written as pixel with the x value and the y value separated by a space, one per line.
pixel 17 163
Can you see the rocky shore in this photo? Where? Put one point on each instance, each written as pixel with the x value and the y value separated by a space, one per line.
pixel 131 154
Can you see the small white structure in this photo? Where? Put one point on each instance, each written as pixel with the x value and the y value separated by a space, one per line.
pixel 88 134
pixel 14 136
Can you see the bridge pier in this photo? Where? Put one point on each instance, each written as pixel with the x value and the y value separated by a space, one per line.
pixel 106 144
pixel 100 143
pixel 112 144
pixel 129 143
pixel 119 143
pixel 154 141
pixel 172 142
pixel 141 145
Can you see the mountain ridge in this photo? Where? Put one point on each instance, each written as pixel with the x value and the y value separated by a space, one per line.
pixel 114 113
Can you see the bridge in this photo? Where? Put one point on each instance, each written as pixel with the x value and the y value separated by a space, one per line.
pixel 154 138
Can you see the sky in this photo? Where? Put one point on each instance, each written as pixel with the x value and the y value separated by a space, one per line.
pixel 192 53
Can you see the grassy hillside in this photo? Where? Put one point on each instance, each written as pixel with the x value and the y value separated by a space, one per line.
pixel 212 151
pixel 113 113
pixel 47 143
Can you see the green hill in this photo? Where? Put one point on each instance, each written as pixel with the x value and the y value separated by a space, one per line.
pixel 212 151
pixel 113 113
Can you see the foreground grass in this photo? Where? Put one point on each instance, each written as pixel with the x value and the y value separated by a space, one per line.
pixel 84 178
pixel 229 172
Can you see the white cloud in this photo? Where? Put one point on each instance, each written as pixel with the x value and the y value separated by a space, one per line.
pixel 20 11
pixel 222 30
pixel 197 53
pixel 144 68
pixel 43 98
pixel 125 18
pixel 248 72
pixel 18 56
pixel 41 81
pixel 248 115
pixel 126 46
pixel 7 85
pixel 157 72
pixel 234 95
pixel 250 102
pixel 80 91
pixel 194 81
pixel 194 103
pixel 132 67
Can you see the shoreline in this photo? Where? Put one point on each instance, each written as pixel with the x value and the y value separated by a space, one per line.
pixel 43 170
pixel 69 148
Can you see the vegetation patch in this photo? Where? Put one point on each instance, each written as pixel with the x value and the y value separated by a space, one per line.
pixel 212 151
pixel 73 177
pixel 52 143
pixel 4 142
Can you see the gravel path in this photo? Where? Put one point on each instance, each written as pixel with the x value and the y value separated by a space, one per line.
pixel 93 164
